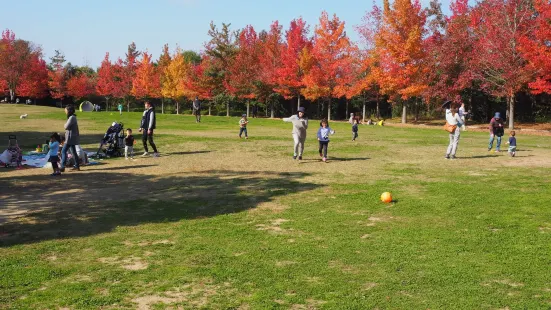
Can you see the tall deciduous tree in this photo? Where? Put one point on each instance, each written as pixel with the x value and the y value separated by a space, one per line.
pixel 105 84
pixel 16 57
pixel 289 75
pixel 34 82
pixel 537 50
pixel 80 86
pixel 162 64
pixel 57 77
pixel 332 52
pixel 146 82
pixel 174 79
pixel 129 72
pixel 497 60
pixel 399 45
pixel 270 63
pixel 222 49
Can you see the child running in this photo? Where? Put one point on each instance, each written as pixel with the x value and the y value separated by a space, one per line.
pixel 354 130
pixel 53 157
pixel 323 138
pixel 300 125
pixel 512 144
pixel 129 144
pixel 243 126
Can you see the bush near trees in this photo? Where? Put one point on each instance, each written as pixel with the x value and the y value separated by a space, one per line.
pixel 493 56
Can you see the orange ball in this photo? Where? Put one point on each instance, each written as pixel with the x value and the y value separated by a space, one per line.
pixel 386 197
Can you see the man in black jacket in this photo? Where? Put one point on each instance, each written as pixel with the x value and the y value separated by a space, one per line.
pixel 197 109
pixel 147 126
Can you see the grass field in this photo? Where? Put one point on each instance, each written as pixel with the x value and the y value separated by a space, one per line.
pixel 223 223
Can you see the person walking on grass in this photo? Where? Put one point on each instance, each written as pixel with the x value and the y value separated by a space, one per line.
pixel 119 107
pixel 496 130
pixel 512 144
pixel 463 116
pixel 452 117
pixel 197 109
pixel 148 125
pixel 300 125
pixel 355 130
pixel 53 149
pixel 243 126
pixel 323 137
pixel 72 138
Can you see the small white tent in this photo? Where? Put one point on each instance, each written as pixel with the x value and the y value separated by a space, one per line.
pixel 86 106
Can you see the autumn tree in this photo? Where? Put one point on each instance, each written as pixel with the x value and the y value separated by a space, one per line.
pixel 34 82
pixel 105 82
pixel 129 72
pixel 57 77
pixel 497 61
pixel 16 57
pixel 289 75
pixel 162 63
pixel 146 82
pixel 174 86
pixel 266 84
pixel 221 48
pixel 332 56
pixel 245 67
pixel 80 86
pixel 399 47
pixel 535 48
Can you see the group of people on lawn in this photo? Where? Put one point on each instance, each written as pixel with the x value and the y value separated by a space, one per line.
pixel 455 116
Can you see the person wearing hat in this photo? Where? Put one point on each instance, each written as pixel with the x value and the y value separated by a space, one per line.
pixel 300 125
pixel 148 124
pixel 243 126
pixel 496 130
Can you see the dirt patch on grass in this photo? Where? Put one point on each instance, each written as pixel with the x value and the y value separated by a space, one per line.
pixel 274 226
pixel 131 263
pixel 285 263
pixel 194 295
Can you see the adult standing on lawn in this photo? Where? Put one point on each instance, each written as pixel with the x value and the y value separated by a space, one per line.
pixel 120 108
pixel 147 126
pixel 300 125
pixel 197 109
pixel 452 118
pixel 496 130
pixel 72 138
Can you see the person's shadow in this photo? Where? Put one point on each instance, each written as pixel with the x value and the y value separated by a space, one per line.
pixel 36 208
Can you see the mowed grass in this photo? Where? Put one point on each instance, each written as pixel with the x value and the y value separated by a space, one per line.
pixel 223 223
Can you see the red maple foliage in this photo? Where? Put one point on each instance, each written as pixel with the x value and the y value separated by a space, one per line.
pixel 146 82
pixel 80 86
pixel 57 82
pixel 245 67
pixel 34 82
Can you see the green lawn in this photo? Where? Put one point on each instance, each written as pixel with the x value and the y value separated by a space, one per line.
pixel 223 223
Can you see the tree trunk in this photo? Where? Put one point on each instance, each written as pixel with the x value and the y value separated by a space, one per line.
pixel 228 110
pixel 329 110
pixel 106 103
pixel 12 95
pixel 346 114
pixel 272 111
pixel 177 107
pixel 210 105
pixel 416 111
pixel 248 104
pixel 378 110
pixel 128 105
pixel 511 100
pixel 404 111
pixel 363 115
pixel 298 101
pixel 162 105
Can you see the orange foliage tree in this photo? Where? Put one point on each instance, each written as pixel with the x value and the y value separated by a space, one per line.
pixel 399 46
pixel 146 83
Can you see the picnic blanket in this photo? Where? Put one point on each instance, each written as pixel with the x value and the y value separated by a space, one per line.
pixel 40 160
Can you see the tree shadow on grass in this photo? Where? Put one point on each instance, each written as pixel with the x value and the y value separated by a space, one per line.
pixel 187 153
pixel 38 208
pixel 483 156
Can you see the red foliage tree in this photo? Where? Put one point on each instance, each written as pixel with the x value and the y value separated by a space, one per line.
pixel 245 67
pixel 146 82
pixel 105 83
pixel 496 59
pixel 16 58
pixel 57 82
pixel 289 75
pixel 34 82
pixel 536 49
pixel 80 86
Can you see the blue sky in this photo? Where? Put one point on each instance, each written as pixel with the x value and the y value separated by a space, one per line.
pixel 85 29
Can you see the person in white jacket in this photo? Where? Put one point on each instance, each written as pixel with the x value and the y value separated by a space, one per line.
pixel 452 117
pixel 300 125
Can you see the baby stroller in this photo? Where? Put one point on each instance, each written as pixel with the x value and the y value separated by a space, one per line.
pixel 112 144
pixel 12 156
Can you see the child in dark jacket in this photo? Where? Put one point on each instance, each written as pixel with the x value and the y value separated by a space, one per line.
pixel 323 137
pixel 354 130
pixel 512 144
